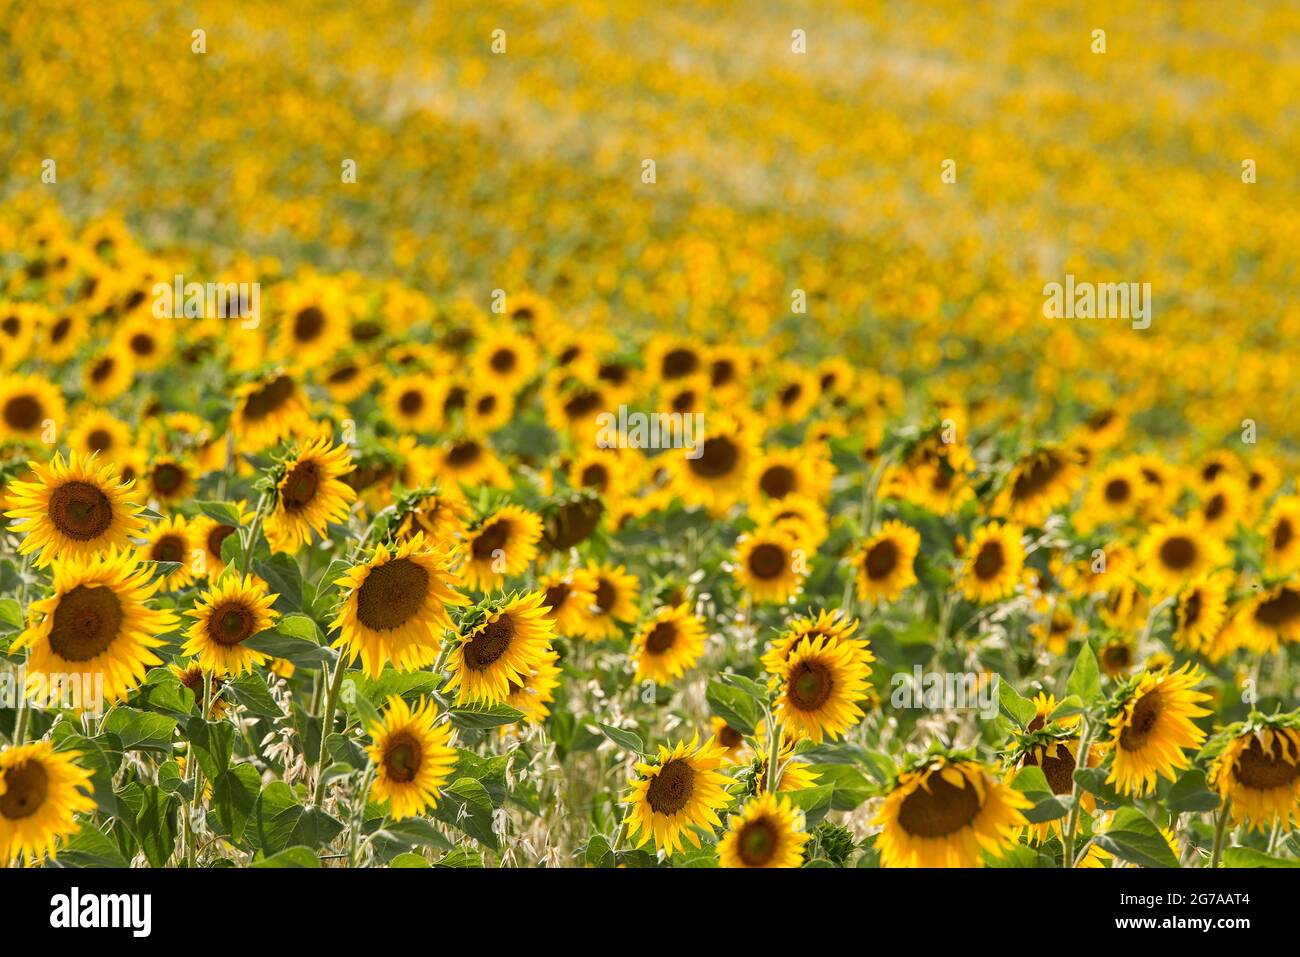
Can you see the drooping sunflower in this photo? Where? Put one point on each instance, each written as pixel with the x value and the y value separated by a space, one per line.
pixel 821 682
pixel 230 612
pixel 945 811
pixel 770 566
pixel 501 546
pixel 668 644
pixel 41 792
pixel 675 793
pixel 570 597
pixel 394 606
pixel 310 495
pixel 1177 552
pixel 617 591
pixel 168 540
pixel 97 622
pixel 1040 482
pixel 1151 726
pixel 29 405
pixel 1052 746
pixel 767 833
pixel 995 559
pixel 72 509
pixel 885 562
pixel 501 642
pixel 537 689
pixel 413 757
pixel 1256 766
pixel 269 410
pixel 191 676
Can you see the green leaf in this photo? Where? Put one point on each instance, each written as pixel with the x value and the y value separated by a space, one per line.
pixel 1249 857
pixel 1031 782
pixel 814 802
pixel 1019 709
pixel 408 860
pixel 625 739
pixel 489 772
pixel 598 852
pixel 11 615
pixel 1191 793
pixel 734 704
pixel 90 847
pixel 481 716
pixel 1085 678
pixel 398 836
pixel 851 788
pixel 1132 837
pixel 291 857
pixel 1068 707
pixel 274 817
pixel 234 796
pixel 141 730
pixel 250 690
pixel 281 573
pixel 156 825
pixel 222 512
pixel 465 804
pixel 213 742
pixel 1093 780
pixel 460 857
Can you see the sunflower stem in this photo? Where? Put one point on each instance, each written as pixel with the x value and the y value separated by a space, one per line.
pixel 327 722
pixel 1220 827
pixel 775 728
pixel 359 816
pixel 246 559
pixel 1072 822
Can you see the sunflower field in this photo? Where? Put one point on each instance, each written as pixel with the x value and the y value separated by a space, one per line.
pixel 649 435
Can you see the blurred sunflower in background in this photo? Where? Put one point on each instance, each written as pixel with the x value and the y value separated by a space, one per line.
pixel 885 562
pixel 667 645
pixel 1255 765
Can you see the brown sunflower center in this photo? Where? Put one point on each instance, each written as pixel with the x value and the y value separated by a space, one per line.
pixel 491 538
pixel 343 374
pixel 300 486
pixel 366 331
pixel 308 323
pixel 411 402
pixel 231 623
pixel 1117 656
pixel 167 478
pixel 767 561
pixel 777 481
pixel 757 842
pixel 1178 552
pixel 217 536
pixel 59 331
pixel 99 440
pixel 392 594
pixel 729 737
pixel 1058 770
pixel 87 620
pixel 941 810
pixel 556 596
pixel 1146 712
pixel 402 757
pixel 809 685
pixel 490 643
pixel 1259 771
pixel 503 360
pixel 721 372
pixel 24 412
pixel 80 511
pixel 1192 609
pixel 169 548
pixel 103 369
pixel 661 638
pixel 1037 476
pixel 1283 533
pixel 25 790
pixel 1215 507
pixel 679 362
pixel 464 453
pixel 881 559
pixel 1280 610
pixel 670 790
pixel 606 595
pixel 989 561
pixel 1118 491
pixel 142 344
pixel 582 404
pixel 269 398
pixel 718 457
pixel 595 476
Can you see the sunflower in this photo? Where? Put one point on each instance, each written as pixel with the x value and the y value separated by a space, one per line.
pixel 675 793
pixel 440 518
pixel 668 645
pixel 207 535
pixel 1151 726
pixel 537 690
pixel 1117 657
pixel 995 559
pixel 107 375
pixel 1256 766
pixel 1223 504
pixel 41 792
pixel 97 432
pixel 412 403
pixel 1272 619
pixel 1282 535
pixel 770 566
pixel 146 340
pixel 1177 552
pixel 170 480
pixel 268 411
pixel 670 359
pixel 467 461
pixel 617 592
pixel 1114 497
pixel 803 516
pixel 501 642
pixel 794 775
pixel 1052 747
pixel 97 622
pixel 821 682
pixel 191 676
pixel 413 757
pixel 1038 484
pixel 29 406
pixel 731 739
pixel 780 473
pixel 18 324
pixel 168 540
pixel 794 394
pixel 310 495
pixel 1201 611
pixel 230 612
pixel 713 473
pixel 348 378
pixel 885 562
pixel 767 833
pixel 570 597
pixel 488 408
pixel 830 624
pixel 393 609
pixel 505 360
pixel 63 334
pixel 314 321
pixel 501 546
pixel 944 812
pixel 72 509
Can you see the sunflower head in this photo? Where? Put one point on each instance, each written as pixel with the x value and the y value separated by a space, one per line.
pixel 1255 764
pixel 885 562
pixel 668 644
pixel 227 615
pixel 309 494
pixel 41 792
pixel 501 642
pixel 1150 720
pixel 413 757
pixel 768 832
pixel 676 793
pixel 820 684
